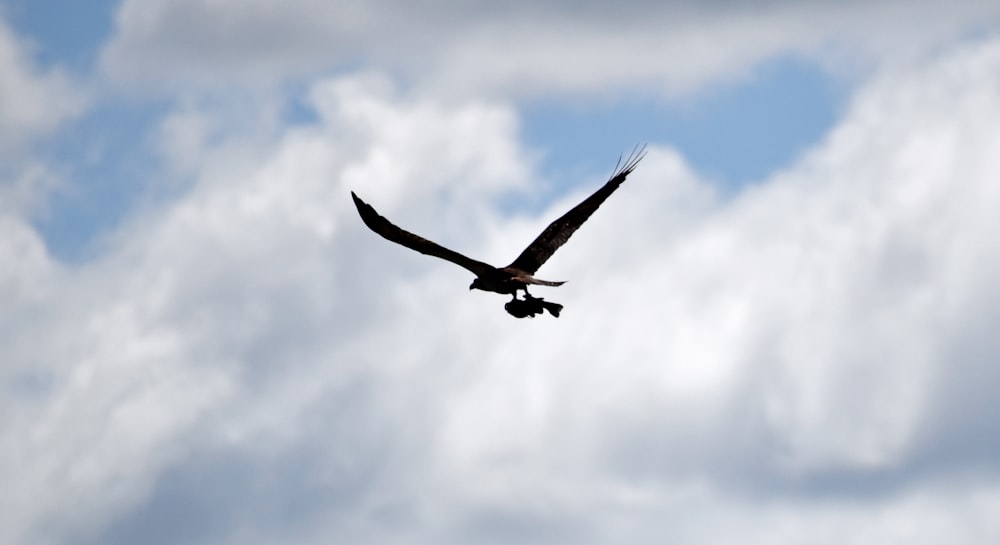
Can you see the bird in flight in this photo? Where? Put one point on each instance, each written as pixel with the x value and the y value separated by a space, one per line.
pixel 519 274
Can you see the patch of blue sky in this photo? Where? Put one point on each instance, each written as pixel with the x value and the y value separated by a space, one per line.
pixel 68 33
pixel 107 164
pixel 734 133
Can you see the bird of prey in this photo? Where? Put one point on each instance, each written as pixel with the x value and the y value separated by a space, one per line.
pixel 519 274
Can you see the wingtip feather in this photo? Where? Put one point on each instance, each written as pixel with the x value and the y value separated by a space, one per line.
pixel 626 164
pixel 363 208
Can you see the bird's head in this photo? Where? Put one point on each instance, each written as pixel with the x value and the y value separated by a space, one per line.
pixel 477 284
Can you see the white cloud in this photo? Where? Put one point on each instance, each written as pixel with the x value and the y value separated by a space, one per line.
pixel 781 366
pixel 246 286
pixel 519 49
pixel 32 101
pixel 791 345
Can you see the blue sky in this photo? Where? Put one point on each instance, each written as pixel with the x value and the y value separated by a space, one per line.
pixel 719 131
pixel 106 155
pixel 65 33
pixel 782 320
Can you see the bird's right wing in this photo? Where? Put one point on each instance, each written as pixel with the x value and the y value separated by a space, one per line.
pixel 389 231
pixel 559 231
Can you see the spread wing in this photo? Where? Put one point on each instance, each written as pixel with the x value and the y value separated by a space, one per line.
pixel 389 231
pixel 559 231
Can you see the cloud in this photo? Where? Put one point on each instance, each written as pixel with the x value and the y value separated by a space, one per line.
pixel 189 308
pixel 34 101
pixel 522 49
pixel 248 363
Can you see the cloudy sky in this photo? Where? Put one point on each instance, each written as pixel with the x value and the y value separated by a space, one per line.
pixel 780 330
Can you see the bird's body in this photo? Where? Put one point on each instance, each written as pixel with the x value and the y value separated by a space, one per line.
pixel 509 280
pixel 520 273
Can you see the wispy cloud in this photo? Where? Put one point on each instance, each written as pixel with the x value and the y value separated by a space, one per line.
pixel 520 49
pixel 34 101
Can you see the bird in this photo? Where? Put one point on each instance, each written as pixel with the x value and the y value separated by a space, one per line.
pixel 519 274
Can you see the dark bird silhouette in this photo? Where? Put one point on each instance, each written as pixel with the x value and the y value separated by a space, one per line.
pixel 519 274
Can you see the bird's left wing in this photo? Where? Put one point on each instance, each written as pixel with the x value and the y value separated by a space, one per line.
pixel 389 231
pixel 559 231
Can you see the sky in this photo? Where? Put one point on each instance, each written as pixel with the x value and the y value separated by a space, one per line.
pixel 779 330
